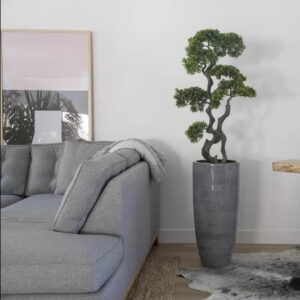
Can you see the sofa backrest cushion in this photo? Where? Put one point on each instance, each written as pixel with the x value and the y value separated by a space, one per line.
pixel 15 160
pixel 45 162
pixel 74 154
pixel 87 184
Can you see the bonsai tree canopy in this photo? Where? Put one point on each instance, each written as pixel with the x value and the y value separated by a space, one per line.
pixel 202 55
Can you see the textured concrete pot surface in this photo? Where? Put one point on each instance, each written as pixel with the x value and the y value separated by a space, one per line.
pixel 216 188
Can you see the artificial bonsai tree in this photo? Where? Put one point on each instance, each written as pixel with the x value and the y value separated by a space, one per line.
pixel 202 55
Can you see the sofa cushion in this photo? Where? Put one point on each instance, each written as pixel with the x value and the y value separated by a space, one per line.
pixel 74 154
pixel 86 186
pixel 45 161
pixel 35 259
pixel 15 160
pixel 37 208
pixel 7 200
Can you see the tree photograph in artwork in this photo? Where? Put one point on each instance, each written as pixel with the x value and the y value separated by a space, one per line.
pixel 18 114
pixel 224 82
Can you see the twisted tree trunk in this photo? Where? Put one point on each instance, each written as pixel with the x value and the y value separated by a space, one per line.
pixel 209 143
pixel 220 129
pixel 217 134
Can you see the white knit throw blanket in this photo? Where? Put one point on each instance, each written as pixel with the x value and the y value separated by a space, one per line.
pixel 155 159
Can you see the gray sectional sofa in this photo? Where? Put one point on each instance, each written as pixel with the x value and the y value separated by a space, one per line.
pixel 43 254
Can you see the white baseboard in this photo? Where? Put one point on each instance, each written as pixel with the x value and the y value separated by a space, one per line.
pixel 243 236
pixel 176 236
pixel 268 236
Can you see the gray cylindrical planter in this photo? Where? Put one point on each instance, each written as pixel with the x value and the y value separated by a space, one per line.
pixel 215 210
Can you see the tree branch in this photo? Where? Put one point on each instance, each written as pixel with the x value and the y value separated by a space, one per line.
pixel 212 120
pixel 223 148
pixel 210 82
pixel 225 115
pixel 222 135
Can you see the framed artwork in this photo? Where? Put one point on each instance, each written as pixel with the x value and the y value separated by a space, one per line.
pixel 46 86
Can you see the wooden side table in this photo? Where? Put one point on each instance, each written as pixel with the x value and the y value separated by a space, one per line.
pixel 291 166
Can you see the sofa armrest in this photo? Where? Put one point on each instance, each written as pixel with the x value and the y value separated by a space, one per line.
pixel 127 207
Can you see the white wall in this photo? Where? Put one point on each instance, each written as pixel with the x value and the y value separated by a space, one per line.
pixel 138 46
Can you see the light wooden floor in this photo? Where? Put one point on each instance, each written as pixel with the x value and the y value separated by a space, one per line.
pixel 189 259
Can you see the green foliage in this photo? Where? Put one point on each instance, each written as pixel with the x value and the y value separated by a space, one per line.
pixel 195 131
pixel 203 52
pixel 217 96
pixel 232 87
pixel 193 96
pixel 226 71
pixel 206 46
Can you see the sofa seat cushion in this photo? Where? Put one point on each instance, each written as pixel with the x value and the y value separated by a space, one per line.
pixel 35 259
pixel 7 200
pixel 38 208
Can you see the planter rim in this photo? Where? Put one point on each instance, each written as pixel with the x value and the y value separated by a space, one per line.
pixel 204 162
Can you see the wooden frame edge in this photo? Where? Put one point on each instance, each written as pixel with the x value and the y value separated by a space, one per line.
pixel 46 30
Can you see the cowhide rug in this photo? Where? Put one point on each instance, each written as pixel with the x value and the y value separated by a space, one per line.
pixel 253 276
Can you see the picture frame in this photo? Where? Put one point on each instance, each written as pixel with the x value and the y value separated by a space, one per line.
pixel 44 72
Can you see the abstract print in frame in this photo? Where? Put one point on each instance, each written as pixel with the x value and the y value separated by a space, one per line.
pixel 46 86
